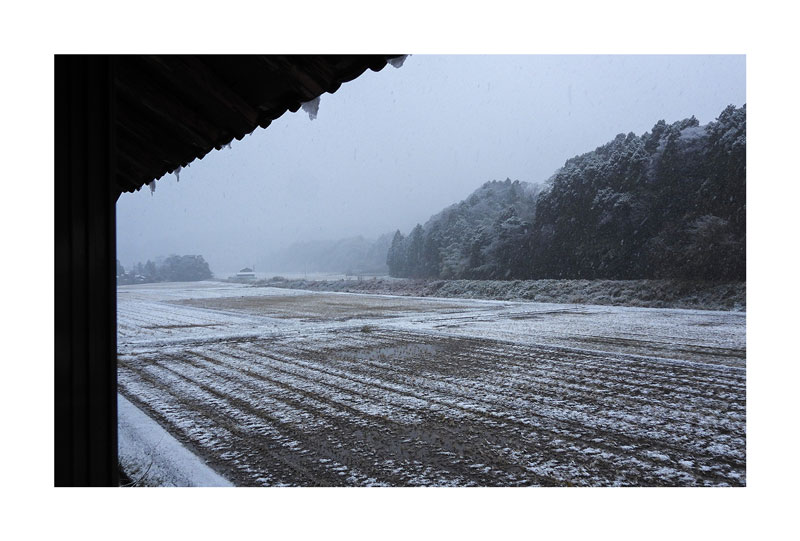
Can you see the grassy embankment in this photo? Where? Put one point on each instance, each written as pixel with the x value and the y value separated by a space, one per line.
pixel 642 293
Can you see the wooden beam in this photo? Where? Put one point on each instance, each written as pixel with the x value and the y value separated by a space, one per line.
pixel 162 140
pixel 189 77
pixel 164 106
pixel 85 286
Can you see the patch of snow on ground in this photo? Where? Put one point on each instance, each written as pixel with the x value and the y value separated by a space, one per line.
pixel 152 457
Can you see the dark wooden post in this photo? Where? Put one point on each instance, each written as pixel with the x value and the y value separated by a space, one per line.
pixel 85 273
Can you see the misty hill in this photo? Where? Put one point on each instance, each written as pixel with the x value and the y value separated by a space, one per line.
pixel 669 203
pixel 355 255
pixel 443 247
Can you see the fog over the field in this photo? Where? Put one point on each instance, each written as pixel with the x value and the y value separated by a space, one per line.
pixel 391 148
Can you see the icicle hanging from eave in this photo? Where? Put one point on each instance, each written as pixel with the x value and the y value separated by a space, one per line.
pixel 152 186
pixel 311 107
pixel 397 62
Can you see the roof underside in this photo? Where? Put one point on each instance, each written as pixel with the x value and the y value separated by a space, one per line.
pixel 171 110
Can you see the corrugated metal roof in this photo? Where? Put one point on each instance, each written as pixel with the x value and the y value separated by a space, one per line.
pixel 171 110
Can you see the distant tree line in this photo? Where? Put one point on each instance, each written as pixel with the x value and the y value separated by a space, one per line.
pixel 667 204
pixel 175 268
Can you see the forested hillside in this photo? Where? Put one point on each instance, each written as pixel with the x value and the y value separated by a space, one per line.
pixel 466 239
pixel 667 204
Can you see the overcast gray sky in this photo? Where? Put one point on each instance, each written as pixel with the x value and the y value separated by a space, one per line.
pixel 391 148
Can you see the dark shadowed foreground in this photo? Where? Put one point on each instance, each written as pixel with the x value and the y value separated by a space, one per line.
pixel 280 387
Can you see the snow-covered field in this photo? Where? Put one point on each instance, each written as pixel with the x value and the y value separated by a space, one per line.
pixel 286 387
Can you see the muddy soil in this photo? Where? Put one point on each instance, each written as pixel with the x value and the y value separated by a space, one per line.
pixel 324 307
pixel 405 409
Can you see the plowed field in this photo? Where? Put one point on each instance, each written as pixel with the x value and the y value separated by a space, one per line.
pixel 276 387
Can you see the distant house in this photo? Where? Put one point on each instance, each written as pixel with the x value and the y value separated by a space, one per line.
pixel 246 274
